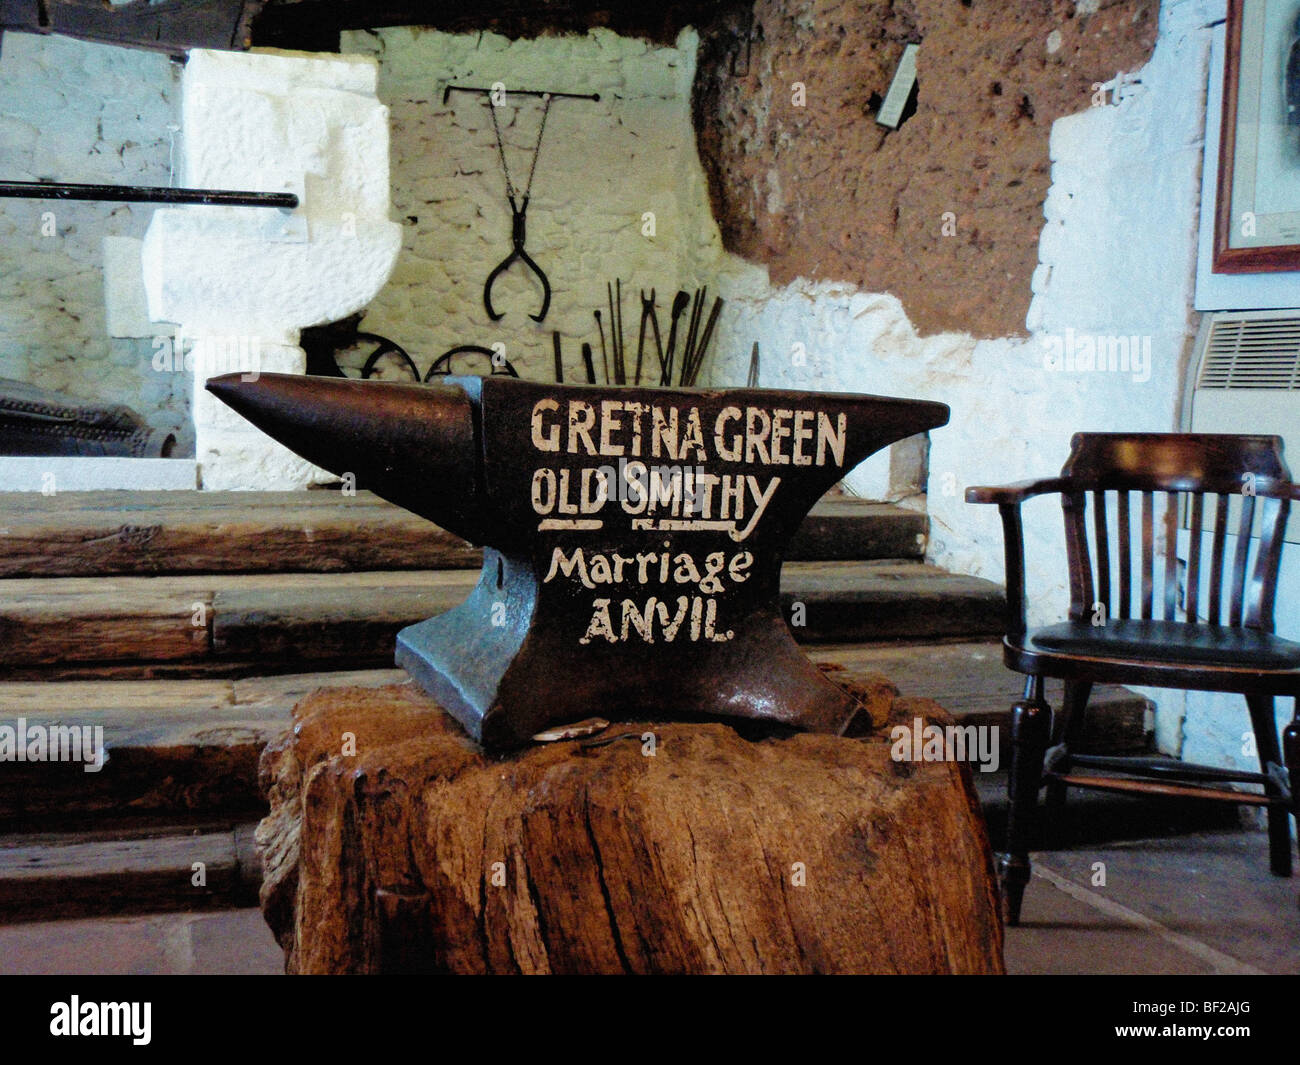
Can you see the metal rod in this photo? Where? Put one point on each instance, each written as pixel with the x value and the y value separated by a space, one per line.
pixel 604 354
pixel 446 93
pixel 62 190
pixel 622 347
pixel 613 336
pixel 692 331
pixel 698 360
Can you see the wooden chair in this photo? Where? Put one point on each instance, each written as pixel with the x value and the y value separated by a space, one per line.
pixel 1223 640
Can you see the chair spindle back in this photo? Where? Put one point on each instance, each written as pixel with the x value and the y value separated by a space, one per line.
pixel 1152 483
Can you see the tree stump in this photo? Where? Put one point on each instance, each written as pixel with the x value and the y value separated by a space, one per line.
pixel 394 844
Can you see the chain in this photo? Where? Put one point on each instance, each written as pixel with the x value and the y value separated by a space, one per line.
pixel 537 148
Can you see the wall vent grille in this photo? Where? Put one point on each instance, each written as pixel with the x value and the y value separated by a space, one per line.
pixel 1243 352
pixel 1247 380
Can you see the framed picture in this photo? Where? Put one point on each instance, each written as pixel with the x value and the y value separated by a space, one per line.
pixel 1257 214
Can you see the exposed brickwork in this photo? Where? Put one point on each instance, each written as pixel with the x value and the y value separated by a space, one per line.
pixel 822 191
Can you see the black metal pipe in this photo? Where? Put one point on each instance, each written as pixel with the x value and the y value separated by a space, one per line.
pixel 60 190
pixel 446 93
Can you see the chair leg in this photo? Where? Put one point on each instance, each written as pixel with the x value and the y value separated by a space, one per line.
pixel 1066 729
pixel 1279 819
pixel 1291 750
pixel 1030 731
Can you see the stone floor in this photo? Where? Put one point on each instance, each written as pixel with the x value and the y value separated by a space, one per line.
pixel 1196 904
pixel 1199 903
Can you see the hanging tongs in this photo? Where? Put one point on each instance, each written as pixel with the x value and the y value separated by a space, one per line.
pixel 518 237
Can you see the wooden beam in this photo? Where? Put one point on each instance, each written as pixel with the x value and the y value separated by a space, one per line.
pixel 316 24
pixel 171 26
pixel 233 624
pixel 88 534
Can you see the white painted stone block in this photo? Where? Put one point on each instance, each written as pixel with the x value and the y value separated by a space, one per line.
pixel 125 300
pixel 245 460
pixel 53 474
pixel 248 279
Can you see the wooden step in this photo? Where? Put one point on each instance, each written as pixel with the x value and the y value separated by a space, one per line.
pixel 138 533
pixel 85 874
pixel 176 749
pixel 231 624
pixel 968 679
pixel 105 533
pixel 189 748
pixel 850 602
pixel 843 528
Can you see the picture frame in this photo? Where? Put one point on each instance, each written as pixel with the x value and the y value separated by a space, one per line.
pixel 1257 209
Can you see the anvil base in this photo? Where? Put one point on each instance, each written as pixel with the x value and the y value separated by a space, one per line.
pixel 505 682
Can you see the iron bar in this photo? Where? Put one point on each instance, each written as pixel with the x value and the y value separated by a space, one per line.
pixel 446 93
pixel 62 190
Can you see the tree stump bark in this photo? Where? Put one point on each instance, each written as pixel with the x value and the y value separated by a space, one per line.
pixel 394 844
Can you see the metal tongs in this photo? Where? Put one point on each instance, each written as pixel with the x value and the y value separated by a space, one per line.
pixel 518 237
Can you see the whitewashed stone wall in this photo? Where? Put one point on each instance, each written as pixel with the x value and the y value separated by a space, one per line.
pixel 603 166
pixel 243 281
pixel 75 111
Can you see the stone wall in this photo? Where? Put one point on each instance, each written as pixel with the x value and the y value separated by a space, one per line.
pixel 805 181
pixel 76 111
pixel 603 168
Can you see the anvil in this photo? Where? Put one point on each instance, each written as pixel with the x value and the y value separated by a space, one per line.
pixel 633 537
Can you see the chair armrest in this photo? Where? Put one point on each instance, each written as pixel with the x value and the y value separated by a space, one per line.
pixel 1008 498
pixel 1017 492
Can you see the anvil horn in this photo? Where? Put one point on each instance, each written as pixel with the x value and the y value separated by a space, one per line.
pixel 411 444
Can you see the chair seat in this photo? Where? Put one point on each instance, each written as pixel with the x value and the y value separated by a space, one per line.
pixel 1173 643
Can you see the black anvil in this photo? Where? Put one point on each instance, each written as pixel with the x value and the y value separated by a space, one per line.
pixel 633 537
